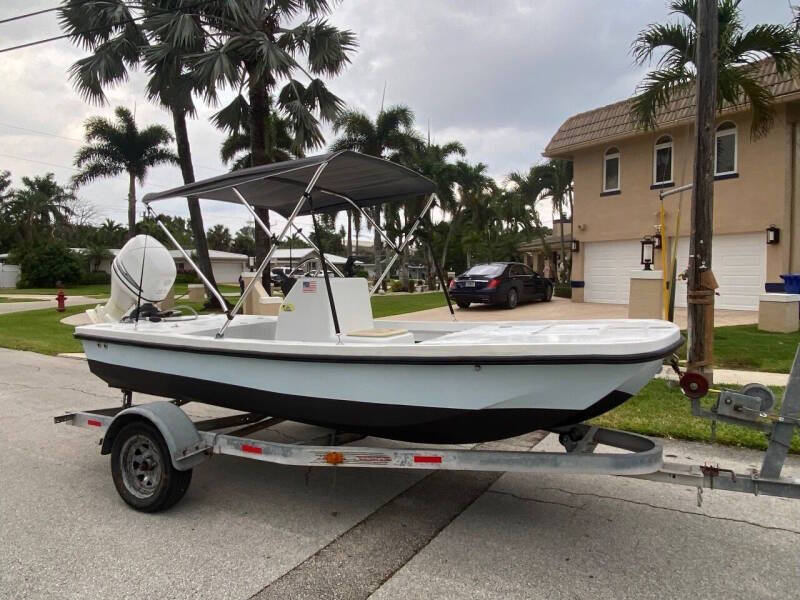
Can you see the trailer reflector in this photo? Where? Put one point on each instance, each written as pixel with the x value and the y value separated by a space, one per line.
pixel 427 459
pixel 251 449
pixel 94 423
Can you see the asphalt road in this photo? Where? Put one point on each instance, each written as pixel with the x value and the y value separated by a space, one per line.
pixel 246 529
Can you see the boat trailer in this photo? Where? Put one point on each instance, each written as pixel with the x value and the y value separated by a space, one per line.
pixel 184 444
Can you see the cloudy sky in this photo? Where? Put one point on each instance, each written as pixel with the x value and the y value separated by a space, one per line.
pixel 499 75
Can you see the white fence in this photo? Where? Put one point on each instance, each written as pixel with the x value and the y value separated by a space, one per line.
pixel 9 276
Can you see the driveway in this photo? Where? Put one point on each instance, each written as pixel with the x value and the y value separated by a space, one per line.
pixel 246 529
pixel 562 308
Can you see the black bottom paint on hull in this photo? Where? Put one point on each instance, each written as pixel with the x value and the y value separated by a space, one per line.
pixel 397 422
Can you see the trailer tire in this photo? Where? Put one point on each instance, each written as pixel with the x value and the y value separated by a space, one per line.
pixel 142 469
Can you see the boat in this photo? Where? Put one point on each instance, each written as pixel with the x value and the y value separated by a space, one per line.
pixel 324 360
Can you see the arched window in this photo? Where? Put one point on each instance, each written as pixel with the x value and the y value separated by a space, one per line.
pixel 662 160
pixel 611 170
pixel 725 154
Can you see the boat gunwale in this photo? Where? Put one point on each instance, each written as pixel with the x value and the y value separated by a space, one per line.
pixel 398 359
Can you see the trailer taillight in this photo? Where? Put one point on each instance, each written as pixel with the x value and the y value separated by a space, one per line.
pixel 94 423
pixel 427 459
pixel 252 449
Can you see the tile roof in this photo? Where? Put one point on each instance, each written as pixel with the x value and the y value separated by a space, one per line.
pixel 615 120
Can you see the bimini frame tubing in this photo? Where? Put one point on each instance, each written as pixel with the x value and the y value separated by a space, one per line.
pixel 267 231
pixel 274 247
pixel 316 249
pixel 398 250
pixel 222 304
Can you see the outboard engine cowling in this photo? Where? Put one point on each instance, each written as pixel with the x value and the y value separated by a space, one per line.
pixel 143 268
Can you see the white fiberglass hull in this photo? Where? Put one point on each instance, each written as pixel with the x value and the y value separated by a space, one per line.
pixel 421 395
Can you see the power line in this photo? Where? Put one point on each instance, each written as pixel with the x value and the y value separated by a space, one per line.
pixel 57 166
pixel 30 14
pixel 95 29
pixel 61 137
pixel 69 139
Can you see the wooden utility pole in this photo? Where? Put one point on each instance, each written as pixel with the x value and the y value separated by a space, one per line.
pixel 701 282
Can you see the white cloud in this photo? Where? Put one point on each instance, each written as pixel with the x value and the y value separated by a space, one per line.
pixel 500 76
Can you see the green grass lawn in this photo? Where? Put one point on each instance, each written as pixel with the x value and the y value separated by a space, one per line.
pixel 746 348
pixel 16 300
pixel 39 331
pixel 661 410
pixel 384 306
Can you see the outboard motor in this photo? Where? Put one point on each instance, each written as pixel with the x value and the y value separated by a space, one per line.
pixel 143 271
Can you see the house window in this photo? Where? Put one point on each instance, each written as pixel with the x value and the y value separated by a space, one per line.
pixel 662 160
pixel 611 170
pixel 725 156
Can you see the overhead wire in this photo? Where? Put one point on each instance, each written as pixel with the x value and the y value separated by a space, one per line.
pixel 30 14
pixel 90 30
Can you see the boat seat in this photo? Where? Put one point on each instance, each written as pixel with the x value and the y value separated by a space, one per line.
pixel 377 332
pixel 305 314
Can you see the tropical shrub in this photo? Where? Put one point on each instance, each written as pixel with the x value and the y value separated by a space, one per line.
pixel 187 278
pixel 562 290
pixel 95 278
pixel 44 264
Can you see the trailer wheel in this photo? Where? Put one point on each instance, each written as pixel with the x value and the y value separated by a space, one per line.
pixel 142 469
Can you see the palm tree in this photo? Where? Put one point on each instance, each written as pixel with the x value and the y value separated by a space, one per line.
pixel 391 136
pixel 120 147
pixel 219 238
pixel 433 161
pixel 110 234
pixel 235 149
pixel 739 53
pixel 474 186
pixel 553 180
pixel 119 40
pixel 258 45
pixel 526 192
pixel 95 253
pixel 40 202
pixel 5 186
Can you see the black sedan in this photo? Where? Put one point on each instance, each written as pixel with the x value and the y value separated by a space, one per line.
pixel 504 283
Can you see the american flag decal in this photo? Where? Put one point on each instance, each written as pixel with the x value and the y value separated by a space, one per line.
pixel 309 287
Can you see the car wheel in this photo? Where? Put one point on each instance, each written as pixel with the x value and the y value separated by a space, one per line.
pixel 142 469
pixel 548 295
pixel 462 304
pixel 512 298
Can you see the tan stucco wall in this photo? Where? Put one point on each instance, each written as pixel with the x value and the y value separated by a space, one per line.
pixel 756 199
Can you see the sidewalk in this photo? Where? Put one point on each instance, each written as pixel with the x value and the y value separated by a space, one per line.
pixel 731 377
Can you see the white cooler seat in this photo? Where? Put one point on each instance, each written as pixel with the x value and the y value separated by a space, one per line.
pixel 378 335
pixel 305 314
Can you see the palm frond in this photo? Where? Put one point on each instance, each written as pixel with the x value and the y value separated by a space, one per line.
pixel 655 92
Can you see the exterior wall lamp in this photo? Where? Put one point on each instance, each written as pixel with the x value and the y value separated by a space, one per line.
pixel 575 246
pixel 773 235
pixel 657 241
pixel 647 252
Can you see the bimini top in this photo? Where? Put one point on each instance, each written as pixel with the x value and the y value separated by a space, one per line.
pixel 365 180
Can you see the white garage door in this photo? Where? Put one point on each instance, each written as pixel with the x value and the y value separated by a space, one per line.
pixel 227 272
pixel 607 270
pixel 739 262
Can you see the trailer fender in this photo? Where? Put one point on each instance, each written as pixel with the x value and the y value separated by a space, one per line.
pixel 186 447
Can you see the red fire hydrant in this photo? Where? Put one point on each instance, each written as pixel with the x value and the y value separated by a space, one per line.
pixel 61 299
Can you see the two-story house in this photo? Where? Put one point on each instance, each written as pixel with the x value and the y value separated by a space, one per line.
pixel 619 170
